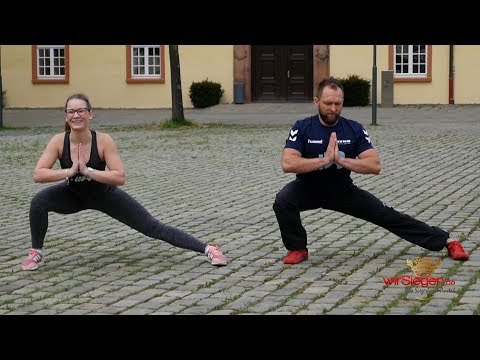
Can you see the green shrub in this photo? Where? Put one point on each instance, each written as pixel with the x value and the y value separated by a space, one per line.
pixel 205 93
pixel 356 91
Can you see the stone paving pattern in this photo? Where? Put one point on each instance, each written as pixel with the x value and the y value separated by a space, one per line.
pixel 218 182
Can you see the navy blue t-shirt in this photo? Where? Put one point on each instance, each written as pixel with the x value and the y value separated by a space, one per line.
pixel 310 138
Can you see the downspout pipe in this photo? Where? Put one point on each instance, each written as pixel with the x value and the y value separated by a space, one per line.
pixel 451 74
pixel 1 90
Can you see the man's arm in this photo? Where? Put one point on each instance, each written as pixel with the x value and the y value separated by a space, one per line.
pixel 293 162
pixel 367 162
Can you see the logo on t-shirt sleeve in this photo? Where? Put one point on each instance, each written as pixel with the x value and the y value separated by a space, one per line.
pixel 293 135
pixel 366 136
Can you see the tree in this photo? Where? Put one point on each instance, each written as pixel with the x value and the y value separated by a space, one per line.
pixel 177 101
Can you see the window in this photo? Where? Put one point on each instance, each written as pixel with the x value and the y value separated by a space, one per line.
pixel 145 63
pixel 411 62
pixel 50 64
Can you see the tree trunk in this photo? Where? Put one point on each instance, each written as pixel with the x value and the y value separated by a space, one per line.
pixel 177 102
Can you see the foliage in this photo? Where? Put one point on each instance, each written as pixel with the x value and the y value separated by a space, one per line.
pixel 205 93
pixel 178 123
pixel 356 91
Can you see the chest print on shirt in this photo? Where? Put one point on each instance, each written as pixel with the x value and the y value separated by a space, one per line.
pixel 342 154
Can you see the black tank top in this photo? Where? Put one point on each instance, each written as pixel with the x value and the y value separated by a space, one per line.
pixel 80 181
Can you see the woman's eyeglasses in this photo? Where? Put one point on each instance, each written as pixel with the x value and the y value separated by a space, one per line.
pixel 80 112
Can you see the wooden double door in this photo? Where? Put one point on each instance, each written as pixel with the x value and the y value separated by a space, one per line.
pixel 282 73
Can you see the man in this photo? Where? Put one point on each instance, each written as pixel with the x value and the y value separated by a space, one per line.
pixel 323 150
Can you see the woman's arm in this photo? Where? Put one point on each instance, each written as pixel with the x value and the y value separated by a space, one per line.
pixel 43 172
pixel 115 175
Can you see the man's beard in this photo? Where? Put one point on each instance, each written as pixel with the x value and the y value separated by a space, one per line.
pixel 330 120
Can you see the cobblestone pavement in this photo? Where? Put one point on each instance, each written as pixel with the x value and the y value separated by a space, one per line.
pixel 218 182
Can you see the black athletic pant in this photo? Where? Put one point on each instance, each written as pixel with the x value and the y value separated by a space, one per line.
pixel 298 196
pixel 62 199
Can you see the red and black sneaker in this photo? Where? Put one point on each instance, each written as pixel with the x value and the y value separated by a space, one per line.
pixel 296 256
pixel 456 251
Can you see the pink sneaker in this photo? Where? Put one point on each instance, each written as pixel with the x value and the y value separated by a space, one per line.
pixel 33 260
pixel 216 257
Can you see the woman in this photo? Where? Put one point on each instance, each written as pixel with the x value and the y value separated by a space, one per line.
pixel 84 154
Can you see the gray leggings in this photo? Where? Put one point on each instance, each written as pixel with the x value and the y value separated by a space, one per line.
pixel 63 199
